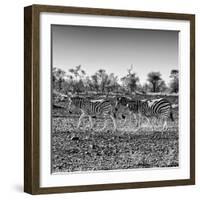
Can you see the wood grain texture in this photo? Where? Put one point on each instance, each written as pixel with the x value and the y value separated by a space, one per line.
pixel 27 100
pixel 32 91
pixel 192 99
pixel 31 100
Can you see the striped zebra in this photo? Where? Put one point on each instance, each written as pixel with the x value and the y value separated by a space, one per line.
pixel 93 108
pixel 132 107
pixel 156 108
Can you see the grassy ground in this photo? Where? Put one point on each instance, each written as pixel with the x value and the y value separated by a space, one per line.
pixel 87 150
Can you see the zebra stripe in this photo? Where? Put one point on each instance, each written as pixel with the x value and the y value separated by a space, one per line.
pixel 159 108
pixel 90 108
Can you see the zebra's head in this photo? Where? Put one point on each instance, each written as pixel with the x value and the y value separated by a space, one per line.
pixel 121 101
pixel 131 104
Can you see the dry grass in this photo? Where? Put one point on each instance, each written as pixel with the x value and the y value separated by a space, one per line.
pixel 87 150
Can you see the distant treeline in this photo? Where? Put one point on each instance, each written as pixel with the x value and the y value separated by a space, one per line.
pixel 77 81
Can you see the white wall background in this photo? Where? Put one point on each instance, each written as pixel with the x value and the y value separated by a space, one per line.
pixel 11 100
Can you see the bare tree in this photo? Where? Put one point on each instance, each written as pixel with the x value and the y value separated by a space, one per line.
pixel 130 81
pixel 174 84
pixel 154 78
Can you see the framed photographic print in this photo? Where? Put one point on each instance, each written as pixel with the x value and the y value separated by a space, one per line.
pixel 109 99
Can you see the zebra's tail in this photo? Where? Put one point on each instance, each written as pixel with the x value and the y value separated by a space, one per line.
pixel 171 115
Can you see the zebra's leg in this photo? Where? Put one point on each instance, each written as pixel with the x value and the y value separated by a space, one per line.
pixel 153 122
pixel 91 123
pixel 80 119
pixel 125 121
pixel 134 117
pixel 128 119
pixel 138 122
pixel 157 122
pixel 148 123
pixel 105 124
pixel 164 128
pixel 114 122
pixel 137 118
pixel 161 124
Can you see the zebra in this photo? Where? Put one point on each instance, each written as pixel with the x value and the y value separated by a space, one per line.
pixel 132 109
pixel 157 108
pixel 92 109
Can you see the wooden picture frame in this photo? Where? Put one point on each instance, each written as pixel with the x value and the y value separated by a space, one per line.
pixel 32 105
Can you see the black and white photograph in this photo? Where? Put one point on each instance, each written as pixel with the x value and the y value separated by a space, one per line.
pixel 114 98
pixel 109 99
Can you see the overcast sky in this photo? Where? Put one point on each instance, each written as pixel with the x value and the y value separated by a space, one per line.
pixel 115 50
